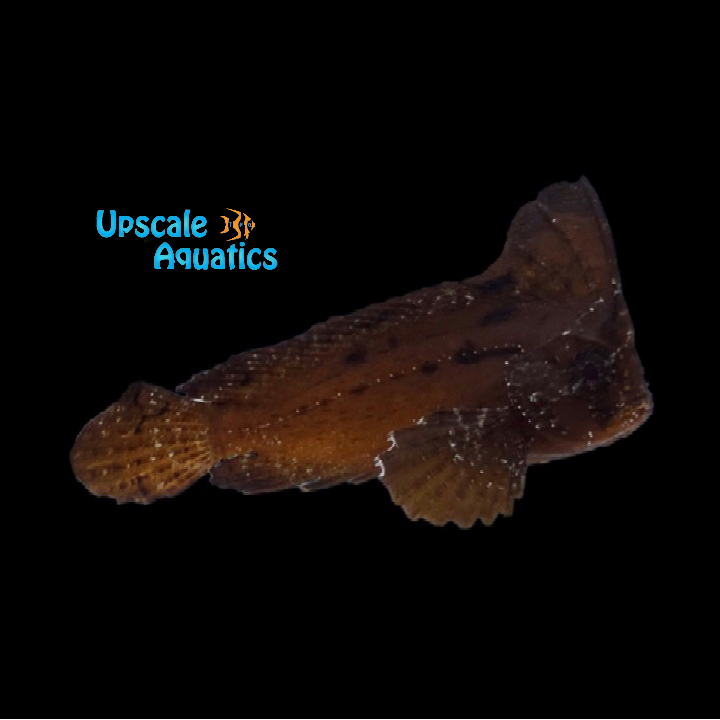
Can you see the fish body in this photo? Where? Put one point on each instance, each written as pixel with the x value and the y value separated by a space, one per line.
pixel 446 394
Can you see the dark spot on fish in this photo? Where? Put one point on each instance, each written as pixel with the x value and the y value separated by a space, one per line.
pixel 393 342
pixel 357 356
pixel 302 410
pixel 467 354
pixel 497 316
pixel 139 483
pixel 593 368
pixel 245 380
pixel 358 389
pixel 501 283
pixel 324 402
pixel 134 392
pixel 397 376
pixel 148 412
pixel 603 412
pixel 428 368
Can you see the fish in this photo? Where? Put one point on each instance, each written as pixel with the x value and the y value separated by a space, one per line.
pixel 248 223
pixel 446 395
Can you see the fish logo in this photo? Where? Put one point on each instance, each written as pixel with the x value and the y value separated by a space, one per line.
pixel 236 225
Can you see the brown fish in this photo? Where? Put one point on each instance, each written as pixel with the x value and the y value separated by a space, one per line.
pixel 447 394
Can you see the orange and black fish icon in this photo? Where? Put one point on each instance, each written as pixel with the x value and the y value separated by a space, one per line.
pixel 248 223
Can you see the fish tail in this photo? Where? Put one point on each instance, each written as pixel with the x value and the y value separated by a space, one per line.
pixel 150 444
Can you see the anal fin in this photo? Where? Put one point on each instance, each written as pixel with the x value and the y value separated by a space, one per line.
pixel 457 466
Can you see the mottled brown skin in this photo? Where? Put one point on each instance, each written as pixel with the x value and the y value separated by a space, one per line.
pixel 447 393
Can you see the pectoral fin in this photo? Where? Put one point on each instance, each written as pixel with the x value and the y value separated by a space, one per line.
pixel 457 466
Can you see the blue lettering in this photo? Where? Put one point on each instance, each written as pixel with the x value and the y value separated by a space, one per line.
pixel 100 229
pixel 218 262
pixel 169 256
pixel 186 262
pixel 174 227
pixel 252 265
pixel 154 223
pixel 197 265
pixel 198 223
pixel 126 225
pixel 270 257
pixel 140 224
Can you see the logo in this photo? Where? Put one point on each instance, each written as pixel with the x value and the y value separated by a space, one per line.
pixel 249 225
pixel 175 227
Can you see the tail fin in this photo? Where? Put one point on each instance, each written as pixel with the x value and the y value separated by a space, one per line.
pixel 150 444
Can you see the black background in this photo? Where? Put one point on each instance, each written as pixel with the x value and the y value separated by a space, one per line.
pixel 256 584
pixel 377 157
